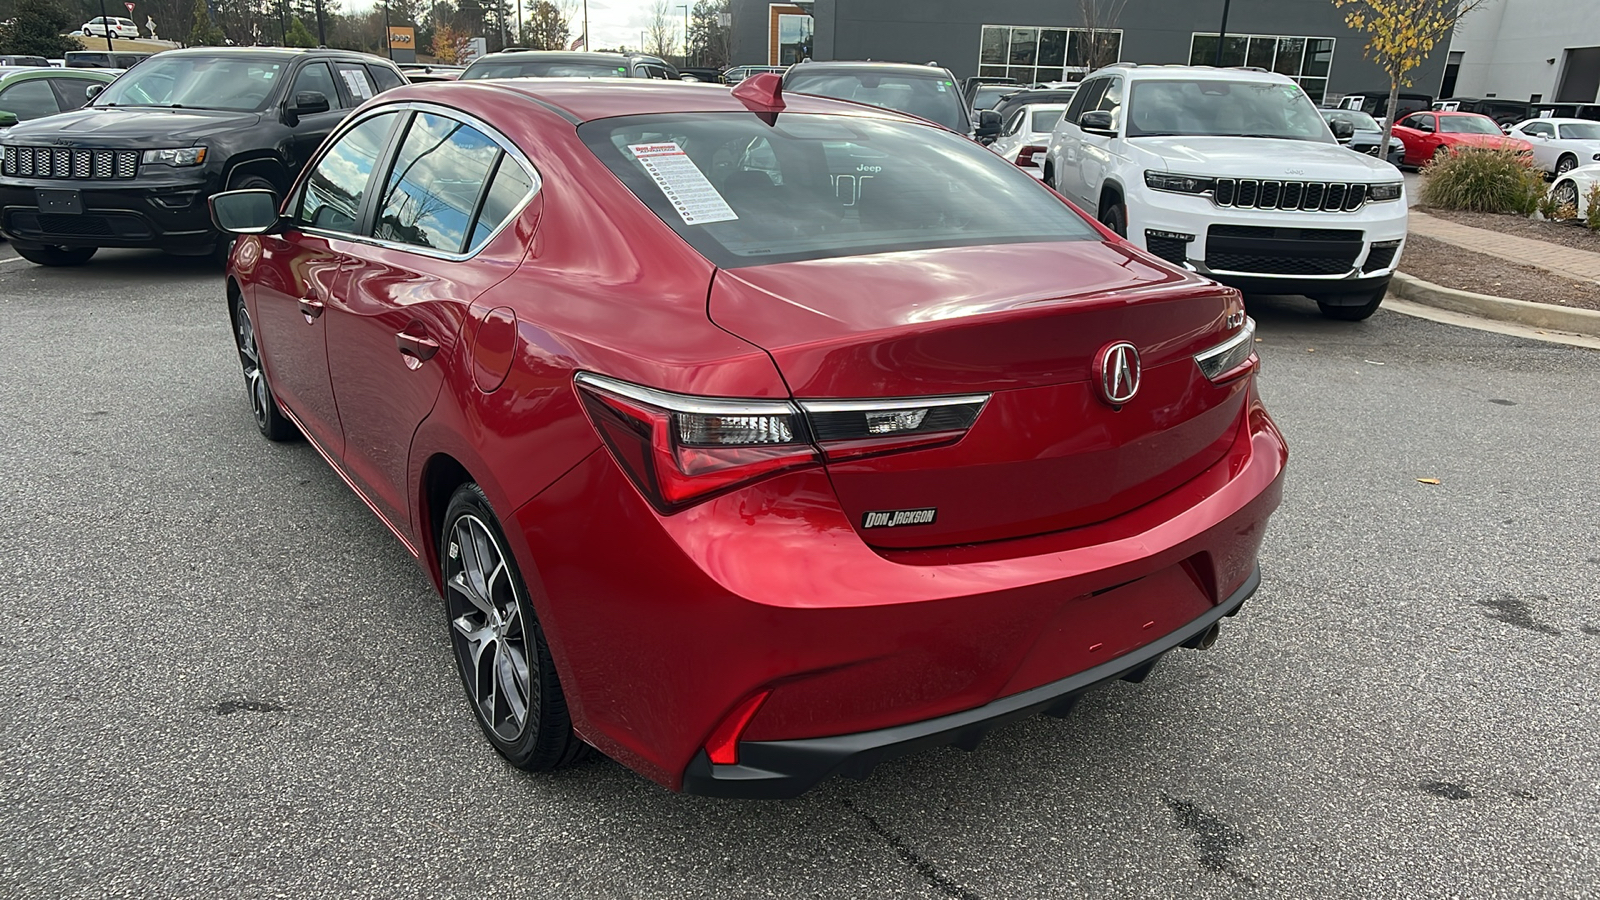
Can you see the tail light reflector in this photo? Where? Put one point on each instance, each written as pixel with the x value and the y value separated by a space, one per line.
pixel 1025 156
pixel 680 449
pixel 1231 358
pixel 723 744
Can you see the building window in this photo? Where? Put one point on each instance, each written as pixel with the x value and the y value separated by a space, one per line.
pixel 788 34
pixel 1028 54
pixel 1305 59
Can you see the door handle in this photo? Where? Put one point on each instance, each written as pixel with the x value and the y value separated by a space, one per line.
pixel 310 307
pixel 415 350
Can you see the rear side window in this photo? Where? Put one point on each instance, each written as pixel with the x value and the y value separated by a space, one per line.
pixel 510 187
pixel 744 193
pixel 385 78
pixel 333 193
pixel 435 186
pixel 357 83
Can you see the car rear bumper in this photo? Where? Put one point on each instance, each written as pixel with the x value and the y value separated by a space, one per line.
pixel 783 769
pixel 166 215
pixel 662 626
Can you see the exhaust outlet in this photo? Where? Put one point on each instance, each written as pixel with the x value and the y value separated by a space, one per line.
pixel 1204 639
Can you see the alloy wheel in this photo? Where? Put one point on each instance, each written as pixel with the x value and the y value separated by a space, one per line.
pixel 1567 164
pixel 1566 194
pixel 487 628
pixel 250 359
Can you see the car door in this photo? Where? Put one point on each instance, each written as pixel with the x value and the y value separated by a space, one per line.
pixel 71 92
pixel 395 329
pixel 1071 137
pixel 309 131
pixel 1100 153
pixel 1541 135
pixel 1409 131
pixel 305 268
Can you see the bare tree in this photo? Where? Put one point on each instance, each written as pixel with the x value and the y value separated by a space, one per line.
pixel 1101 45
pixel 661 35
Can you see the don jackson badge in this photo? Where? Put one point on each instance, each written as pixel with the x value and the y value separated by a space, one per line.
pixel 894 518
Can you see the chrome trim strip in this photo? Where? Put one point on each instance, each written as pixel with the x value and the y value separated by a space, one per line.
pixel 839 406
pixel 667 400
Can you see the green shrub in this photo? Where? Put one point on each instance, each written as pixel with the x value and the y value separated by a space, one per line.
pixel 1495 181
pixel 1592 219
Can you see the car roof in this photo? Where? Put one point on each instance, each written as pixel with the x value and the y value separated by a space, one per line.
pixel 1229 73
pixel 22 73
pixel 268 52
pixel 584 100
pixel 864 64
pixel 1453 112
pixel 1560 120
pixel 553 56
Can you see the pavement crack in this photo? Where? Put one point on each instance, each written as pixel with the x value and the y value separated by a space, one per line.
pixel 1446 790
pixel 1214 838
pixel 915 860
pixel 1516 611
pixel 227 706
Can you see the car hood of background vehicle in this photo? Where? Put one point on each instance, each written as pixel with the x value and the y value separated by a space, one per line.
pixel 135 127
pixel 1262 158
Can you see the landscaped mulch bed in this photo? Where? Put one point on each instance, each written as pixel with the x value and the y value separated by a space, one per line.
pixel 1564 233
pixel 1450 266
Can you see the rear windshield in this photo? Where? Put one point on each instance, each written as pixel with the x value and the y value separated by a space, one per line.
pixel 744 193
pixel 543 69
pixel 932 97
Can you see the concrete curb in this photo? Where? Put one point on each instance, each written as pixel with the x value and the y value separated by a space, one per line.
pixel 1500 309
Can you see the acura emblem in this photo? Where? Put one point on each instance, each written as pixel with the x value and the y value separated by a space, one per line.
pixel 1117 367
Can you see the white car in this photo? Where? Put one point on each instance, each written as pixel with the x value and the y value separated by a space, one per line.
pixel 1574 186
pixel 1561 145
pixel 1233 174
pixel 1025 134
pixel 118 27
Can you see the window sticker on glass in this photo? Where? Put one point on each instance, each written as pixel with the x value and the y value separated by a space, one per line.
pixel 358 86
pixel 684 185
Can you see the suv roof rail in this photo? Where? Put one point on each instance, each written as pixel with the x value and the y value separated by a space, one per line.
pixel 1247 68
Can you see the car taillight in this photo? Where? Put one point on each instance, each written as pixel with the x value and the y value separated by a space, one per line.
pixel 1025 156
pixel 680 449
pixel 1231 358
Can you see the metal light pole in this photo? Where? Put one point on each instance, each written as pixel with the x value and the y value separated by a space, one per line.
pixel 1223 36
pixel 586 44
pixel 388 45
pixel 106 24
pixel 685 33
pixel 322 27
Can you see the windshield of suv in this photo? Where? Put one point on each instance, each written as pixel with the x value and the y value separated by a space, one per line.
pixel 1468 124
pixel 745 193
pixel 1358 120
pixel 932 97
pixel 1225 109
pixel 195 82
pixel 1581 131
pixel 534 68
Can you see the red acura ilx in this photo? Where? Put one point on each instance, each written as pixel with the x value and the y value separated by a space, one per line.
pixel 753 439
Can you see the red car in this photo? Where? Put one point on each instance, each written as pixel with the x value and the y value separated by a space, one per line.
pixel 1428 135
pixel 748 438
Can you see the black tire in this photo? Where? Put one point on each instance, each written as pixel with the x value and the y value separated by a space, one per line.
pixel 274 425
pixel 488 613
pixel 1357 312
pixel 54 256
pixel 224 245
pixel 1115 217
pixel 1566 164
pixel 1050 176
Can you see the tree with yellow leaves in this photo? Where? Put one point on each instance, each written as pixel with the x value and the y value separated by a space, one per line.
pixel 1401 34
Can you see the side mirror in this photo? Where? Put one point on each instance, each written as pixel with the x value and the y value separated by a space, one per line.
pixel 1343 130
pixel 7 119
pixel 1097 121
pixel 988 124
pixel 308 103
pixel 93 91
pixel 253 211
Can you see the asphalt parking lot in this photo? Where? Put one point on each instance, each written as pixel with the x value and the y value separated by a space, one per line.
pixel 221 676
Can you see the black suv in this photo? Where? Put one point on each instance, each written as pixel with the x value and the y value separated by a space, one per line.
pixel 136 166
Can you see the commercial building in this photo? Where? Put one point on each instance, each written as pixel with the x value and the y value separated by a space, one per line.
pixel 1535 50
pixel 1061 40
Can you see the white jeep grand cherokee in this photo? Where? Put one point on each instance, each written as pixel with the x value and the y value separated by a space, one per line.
pixel 1234 174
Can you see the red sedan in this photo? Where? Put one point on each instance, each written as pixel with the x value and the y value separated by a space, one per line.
pixel 748 438
pixel 1428 135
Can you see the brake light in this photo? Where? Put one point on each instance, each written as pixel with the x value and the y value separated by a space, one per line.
pixel 680 449
pixel 1231 358
pixel 1025 156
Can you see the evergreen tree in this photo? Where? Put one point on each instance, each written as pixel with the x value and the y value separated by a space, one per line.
pixel 205 33
pixel 299 35
pixel 547 28
pixel 36 29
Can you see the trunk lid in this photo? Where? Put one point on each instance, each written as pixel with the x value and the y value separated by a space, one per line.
pixel 1023 323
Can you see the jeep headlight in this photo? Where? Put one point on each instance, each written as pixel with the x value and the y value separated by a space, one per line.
pixel 181 156
pixel 1385 191
pixel 1177 184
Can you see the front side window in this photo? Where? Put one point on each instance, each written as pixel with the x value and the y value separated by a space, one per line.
pixel 1468 124
pixel 30 99
pixel 317 78
pixel 1087 99
pixel 744 193
pixel 336 187
pixel 433 189
pixel 932 97
pixel 195 82
pixel 1225 109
